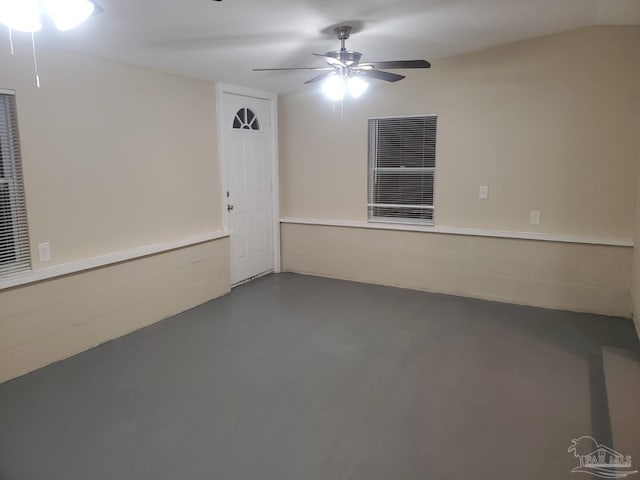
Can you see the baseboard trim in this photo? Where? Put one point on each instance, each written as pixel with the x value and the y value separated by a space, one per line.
pixel 472 232
pixel 108 259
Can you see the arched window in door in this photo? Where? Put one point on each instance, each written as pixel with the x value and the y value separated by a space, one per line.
pixel 245 119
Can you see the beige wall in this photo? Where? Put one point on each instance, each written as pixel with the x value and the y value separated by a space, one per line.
pixel 585 278
pixel 548 124
pixel 635 280
pixel 115 158
pixel 51 320
pixel 635 290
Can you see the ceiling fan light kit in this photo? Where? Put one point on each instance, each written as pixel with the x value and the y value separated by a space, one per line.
pixel 26 15
pixel 344 72
pixel 357 86
pixel 335 87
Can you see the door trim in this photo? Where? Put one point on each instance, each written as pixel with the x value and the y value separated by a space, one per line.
pixel 221 89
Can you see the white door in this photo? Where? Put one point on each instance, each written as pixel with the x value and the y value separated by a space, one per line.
pixel 247 156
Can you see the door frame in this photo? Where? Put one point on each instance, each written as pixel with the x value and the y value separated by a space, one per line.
pixel 272 98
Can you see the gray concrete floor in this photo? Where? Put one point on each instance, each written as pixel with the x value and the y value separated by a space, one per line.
pixel 293 377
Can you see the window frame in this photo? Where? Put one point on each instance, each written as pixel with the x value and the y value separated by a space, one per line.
pixel 372 173
pixel 12 177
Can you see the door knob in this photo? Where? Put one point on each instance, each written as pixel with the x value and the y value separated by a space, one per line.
pixel 229 207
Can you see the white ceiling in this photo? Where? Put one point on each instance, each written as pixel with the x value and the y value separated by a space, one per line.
pixel 225 40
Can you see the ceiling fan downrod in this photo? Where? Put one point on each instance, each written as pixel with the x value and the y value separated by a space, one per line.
pixel 343 32
pixel 346 57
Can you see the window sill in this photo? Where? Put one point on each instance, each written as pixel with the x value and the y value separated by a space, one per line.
pixel 403 222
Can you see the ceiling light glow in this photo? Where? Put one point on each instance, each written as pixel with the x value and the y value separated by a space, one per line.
pixel 357 86
pixel 336 86
pixel 333 87
pixel 21 15
pixel 68 14
pixel 25 15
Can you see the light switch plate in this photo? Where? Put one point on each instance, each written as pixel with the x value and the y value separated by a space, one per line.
pixel 483 192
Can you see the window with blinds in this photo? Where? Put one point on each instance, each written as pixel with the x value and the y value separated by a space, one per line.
pixel 402 168
pixel 14 241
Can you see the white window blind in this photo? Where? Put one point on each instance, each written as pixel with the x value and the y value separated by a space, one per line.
pixel 14 238
pixel 402 168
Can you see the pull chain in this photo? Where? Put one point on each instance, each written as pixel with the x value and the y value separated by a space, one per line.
pixel 35 60
pixel 11 40
pixel 341 104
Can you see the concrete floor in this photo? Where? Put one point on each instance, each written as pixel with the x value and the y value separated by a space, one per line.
pixel 293 377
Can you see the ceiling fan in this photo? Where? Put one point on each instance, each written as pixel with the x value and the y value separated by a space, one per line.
pixel 345 72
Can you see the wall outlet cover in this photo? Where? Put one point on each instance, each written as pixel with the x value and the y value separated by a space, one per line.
pixel 44 251
pixel 535 217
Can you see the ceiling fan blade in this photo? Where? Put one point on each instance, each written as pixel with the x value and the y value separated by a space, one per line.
pixel 380 75
pixel 293 68
pixel 331 60
pixel 397 64
pixel 319 78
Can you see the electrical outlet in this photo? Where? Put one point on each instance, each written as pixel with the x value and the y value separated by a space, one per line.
pixel 44 252
pixel 535 217
pixel 483 192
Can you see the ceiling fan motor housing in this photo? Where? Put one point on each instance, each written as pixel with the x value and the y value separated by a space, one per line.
pixel 343 32
pixel 347 57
